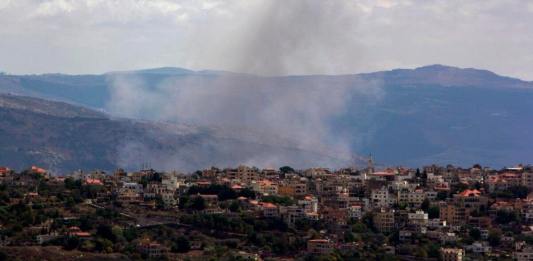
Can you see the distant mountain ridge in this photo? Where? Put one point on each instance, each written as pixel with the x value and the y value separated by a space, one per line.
pixel 431 114
pixel 450 76
pixel 94 90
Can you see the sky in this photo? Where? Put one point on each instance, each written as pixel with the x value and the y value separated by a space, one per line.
pixel 341 37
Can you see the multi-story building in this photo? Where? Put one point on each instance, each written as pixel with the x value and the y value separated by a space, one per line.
pixel 151 249
pixel 457 211
pixel 525 254
pixel 319 246
pixel 527 180
pixel 384 220
pixel 418 220
pixel 243 174
pixel 382 198
pixel 292 213
pixel 355 212
pixel 270 210
pixel 452 254
pixel 309 203
pixel 265 187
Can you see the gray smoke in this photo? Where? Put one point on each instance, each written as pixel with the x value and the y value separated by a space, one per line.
pixel 278 38
pixel 282 37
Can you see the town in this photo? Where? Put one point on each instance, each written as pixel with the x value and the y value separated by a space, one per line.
pixel 247 213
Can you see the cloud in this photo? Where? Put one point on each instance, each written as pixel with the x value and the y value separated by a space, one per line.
pixel 92 36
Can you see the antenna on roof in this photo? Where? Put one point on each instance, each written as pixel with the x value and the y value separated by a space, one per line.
pixel 370 163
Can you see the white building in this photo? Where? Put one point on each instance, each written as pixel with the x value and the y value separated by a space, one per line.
pixel 479 248
pixel 525 254
pixel 418 219
pixel 382 197
pixel 309 203
pixel 355 212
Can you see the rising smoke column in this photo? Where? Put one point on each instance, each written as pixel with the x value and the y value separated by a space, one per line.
pixel 276 38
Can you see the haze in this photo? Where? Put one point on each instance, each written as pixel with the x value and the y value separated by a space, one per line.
pixel 94 36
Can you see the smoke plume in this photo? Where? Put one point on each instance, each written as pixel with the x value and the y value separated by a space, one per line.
pixel 279 38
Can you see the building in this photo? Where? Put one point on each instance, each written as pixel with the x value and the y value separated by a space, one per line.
pixel 457 211
pixel 526 254
pixel 418 220
pixel 243 174
pixel 265 187
pixel 309 203
pixel 382 197
pixel 292 213
pixel 527 180
pixel 211 201
pixel 355 212
pixel 270 210
pixel 384 220
pixel 286 190
pixel 150 249
pixel 4 171
pixel 319 246
pixel 452 254
pixel 129 197
pixel 93 182
pixel 479 248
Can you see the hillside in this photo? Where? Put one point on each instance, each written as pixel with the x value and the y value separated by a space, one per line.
pixel 431 114
pixel 64 138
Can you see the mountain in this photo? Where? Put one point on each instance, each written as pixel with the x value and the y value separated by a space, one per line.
pixel 440 75
pixel 431 114
pixel 63 138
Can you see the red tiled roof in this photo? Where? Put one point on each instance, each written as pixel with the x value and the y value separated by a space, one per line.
pixel 81 234
pixel 319 240
pixel 383 173
pixel 470 193
pixel 38 170
pixel 268 205
pixel 236 186
pixel 93 182
pixel 4 170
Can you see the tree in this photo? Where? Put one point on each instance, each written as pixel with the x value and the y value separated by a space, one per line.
pixel 460 187
pixel 359 228
pixel 104 245
pixel 87 245
pixel 281 200
pixel 130 233
pixel 433 212
pixel 181 245
pixel 349 236
pixel 475 233
pixel 183 202
pixel 434 250
pixel 106 231
pixel 442 195
pixel 425 205
pixel 234 206
pixel 118 233
pixel 71 243
pixel 70 183
pixel 286 169
pixel 247 193
pixel 494 238
pixel 198 203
